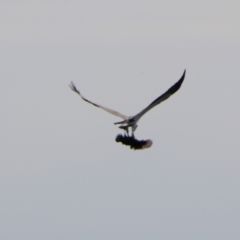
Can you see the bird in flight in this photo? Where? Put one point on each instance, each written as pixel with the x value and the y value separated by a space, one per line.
pixel 131 121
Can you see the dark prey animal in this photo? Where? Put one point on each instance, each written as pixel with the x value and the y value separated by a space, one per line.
pixel 133 142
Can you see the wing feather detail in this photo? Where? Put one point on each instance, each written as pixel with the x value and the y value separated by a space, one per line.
pixel 161 98
pixel 73 87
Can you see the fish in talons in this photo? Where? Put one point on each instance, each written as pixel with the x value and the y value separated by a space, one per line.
pixel 133 142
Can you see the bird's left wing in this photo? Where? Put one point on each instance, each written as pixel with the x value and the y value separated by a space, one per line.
pixel 162 98
pixel 73 87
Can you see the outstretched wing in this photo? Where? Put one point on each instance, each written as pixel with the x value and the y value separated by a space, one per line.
pixel 162 98
pixel 73 87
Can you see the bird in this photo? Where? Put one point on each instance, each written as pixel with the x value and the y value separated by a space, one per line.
pixel 131 121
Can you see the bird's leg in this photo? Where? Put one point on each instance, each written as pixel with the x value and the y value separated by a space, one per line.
pixel 134 127
pixel 126 129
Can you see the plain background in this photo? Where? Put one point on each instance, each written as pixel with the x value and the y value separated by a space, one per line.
pixel 63 176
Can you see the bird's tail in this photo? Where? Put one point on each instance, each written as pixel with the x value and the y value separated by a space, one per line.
pixel 122 122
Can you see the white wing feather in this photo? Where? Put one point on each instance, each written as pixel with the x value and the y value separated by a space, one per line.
pixel 73 87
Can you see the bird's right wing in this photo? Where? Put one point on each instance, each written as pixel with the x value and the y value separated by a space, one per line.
pixel 162 98
pixel 73 87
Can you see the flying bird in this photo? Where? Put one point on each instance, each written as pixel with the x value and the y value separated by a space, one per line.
pixel 131 121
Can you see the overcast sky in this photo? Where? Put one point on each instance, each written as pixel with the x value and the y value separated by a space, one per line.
pixel 63 176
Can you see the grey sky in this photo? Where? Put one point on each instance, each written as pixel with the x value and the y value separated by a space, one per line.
pixel 62 176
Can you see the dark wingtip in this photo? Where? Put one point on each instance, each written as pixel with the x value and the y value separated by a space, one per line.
pixel 183 76
pixel 180 81
pixel 73 87
pixel 177 85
